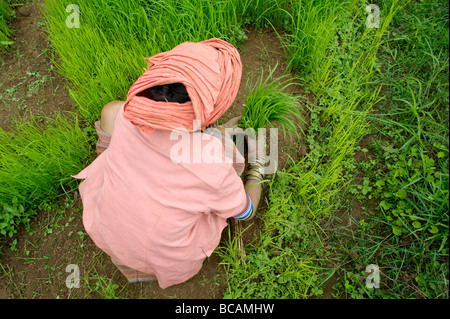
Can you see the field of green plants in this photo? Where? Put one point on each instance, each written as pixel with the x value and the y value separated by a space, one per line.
pixel 373 186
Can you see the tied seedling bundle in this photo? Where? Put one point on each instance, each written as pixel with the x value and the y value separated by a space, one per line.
pixel 268 103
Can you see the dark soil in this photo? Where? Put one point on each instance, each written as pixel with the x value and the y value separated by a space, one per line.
pixel 29 82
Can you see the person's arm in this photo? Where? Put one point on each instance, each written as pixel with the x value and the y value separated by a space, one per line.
pixel 109 114
pixel 252 178
pixel 252 183
pixel 253 189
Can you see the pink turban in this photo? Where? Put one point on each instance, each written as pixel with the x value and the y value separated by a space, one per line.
pixel 210 70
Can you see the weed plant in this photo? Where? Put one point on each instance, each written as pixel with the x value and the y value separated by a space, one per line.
pixel 311 31
pixel 407 176
pixel 310 189
pixel 350 68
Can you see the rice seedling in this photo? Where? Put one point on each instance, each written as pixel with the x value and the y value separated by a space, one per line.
pixel 105 55
pixel 312 188
pixel 270 269
pixel 311 32
pixel 267 102
pixel 407 177
pixel 36 165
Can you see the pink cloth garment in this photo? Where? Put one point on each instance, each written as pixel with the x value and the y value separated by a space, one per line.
pixel 153 215
pixel 231 152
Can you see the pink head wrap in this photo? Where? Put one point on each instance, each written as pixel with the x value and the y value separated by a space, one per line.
pixel 210 70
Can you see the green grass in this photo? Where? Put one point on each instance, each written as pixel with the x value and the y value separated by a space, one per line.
pixel 389 83
pixel 6 15
pixel 311 31
pixel 36 162
pixel 103 57
pixel 406 178
pixel 267 102
pixel 310 190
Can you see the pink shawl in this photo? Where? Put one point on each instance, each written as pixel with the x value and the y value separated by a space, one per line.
pixel 210 70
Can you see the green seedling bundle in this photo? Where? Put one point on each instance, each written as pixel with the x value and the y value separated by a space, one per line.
pixel 267 102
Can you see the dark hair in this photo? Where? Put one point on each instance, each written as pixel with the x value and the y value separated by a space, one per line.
pixel 175 92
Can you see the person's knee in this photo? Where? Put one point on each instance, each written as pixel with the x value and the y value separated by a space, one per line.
pixel 109 114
